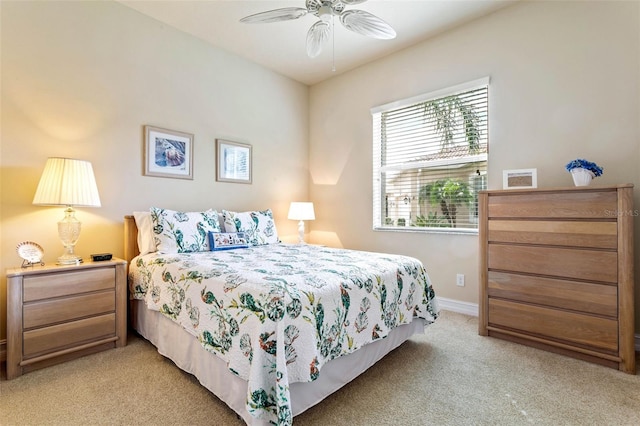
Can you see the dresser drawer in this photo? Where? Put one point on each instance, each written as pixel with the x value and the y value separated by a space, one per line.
pixel 581 264
pixel 53 311
pixel 585 330
pixel 39 287
pixel 576 205
pixel 599 299
pixel 557 232
pixel 56 337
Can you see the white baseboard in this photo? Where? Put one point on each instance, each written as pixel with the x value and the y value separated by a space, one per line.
pixel 458 306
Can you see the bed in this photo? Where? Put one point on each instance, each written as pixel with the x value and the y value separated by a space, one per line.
pixel 270 328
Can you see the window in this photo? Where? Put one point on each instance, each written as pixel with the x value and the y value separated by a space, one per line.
pixel 430 160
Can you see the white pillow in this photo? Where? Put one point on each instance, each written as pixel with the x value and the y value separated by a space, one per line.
pixel 258 226
pixel 183 232
pixel 146 243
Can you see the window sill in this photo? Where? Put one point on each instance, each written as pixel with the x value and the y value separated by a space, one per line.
pixel 424 230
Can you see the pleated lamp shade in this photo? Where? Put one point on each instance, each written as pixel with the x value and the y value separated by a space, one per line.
pixel 67 182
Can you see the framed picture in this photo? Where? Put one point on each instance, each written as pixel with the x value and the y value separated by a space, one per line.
pixel 519 179
pixel 168 153
pixel 234 161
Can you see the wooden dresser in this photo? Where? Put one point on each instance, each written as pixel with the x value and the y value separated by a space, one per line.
pixel 556 271
pixel 56 313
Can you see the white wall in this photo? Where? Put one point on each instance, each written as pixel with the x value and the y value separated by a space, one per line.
pixel 81 78
pixel 564 84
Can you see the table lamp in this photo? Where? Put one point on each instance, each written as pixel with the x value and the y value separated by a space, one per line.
pixel 301 211
pixel 68 182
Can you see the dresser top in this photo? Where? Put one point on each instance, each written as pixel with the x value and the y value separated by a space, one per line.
pixel 590 188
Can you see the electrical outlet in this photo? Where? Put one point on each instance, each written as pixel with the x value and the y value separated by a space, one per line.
pixel 460 280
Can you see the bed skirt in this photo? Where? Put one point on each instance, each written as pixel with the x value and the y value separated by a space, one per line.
pixel 189 355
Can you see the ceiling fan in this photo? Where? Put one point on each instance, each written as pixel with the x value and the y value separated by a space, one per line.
pixel 355 20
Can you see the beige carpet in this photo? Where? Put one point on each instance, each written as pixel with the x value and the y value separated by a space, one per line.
pixel 449 376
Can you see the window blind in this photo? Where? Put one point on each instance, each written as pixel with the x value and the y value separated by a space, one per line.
pixel 430 159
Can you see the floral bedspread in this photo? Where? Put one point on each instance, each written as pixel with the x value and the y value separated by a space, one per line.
pixel 277 313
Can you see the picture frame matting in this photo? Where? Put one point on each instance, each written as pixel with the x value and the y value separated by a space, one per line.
pixel 168 153
pixel 520 179
pixel 233 161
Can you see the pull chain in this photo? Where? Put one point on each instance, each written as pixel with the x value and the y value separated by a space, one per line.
pixel 333 40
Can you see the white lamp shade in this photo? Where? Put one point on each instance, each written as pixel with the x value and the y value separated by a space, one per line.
pixel 67 182
pixel 301 211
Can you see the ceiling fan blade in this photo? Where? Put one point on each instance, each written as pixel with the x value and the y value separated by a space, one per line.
pixel 317 35
pixel 366 24
pixel 276 15
pixel 351 2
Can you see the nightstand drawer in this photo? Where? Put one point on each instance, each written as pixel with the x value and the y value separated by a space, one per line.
pixel 37 314
pixel 56 337
pixel 67 283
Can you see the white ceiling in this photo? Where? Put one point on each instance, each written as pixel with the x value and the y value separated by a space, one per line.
pixel 281 47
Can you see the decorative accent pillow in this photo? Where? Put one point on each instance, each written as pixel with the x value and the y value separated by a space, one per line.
pixel 183 232
pixel 227 240
pixel 146 240
pixel 258 226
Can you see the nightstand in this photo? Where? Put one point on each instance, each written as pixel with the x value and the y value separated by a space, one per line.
pixel 59 312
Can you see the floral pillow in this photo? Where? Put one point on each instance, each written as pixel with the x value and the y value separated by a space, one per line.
pixel 183 232
pixel 258 226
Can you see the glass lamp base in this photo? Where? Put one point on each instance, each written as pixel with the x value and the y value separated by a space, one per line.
pixel 66 259
pixel 69 232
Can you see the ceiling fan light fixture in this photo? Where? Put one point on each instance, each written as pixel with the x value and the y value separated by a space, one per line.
pixel 325 13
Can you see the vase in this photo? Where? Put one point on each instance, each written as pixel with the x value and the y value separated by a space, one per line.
pixel 582 177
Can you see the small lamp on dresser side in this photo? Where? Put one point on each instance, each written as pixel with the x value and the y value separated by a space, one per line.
pixel 68 182
pixel 301 211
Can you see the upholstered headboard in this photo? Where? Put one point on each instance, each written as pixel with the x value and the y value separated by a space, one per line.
pixel 130 238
